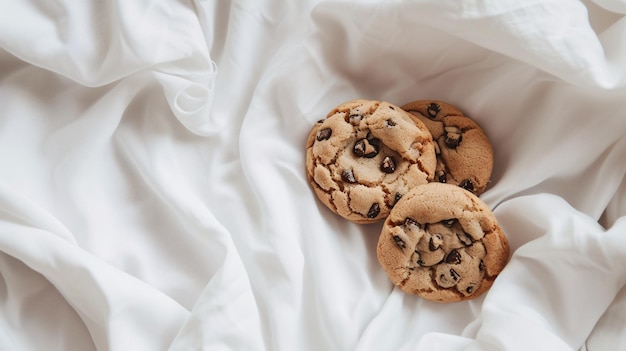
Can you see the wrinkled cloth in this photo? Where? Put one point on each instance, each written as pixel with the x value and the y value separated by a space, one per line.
pixel 153 193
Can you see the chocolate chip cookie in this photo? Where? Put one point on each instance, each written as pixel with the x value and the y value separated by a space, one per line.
pixel 443 243
pixel 365 155
pixel 464 153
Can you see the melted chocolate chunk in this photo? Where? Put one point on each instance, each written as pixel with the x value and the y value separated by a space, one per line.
pixel 348 176
pixel 410 222
pixel 455 276
pixel 441 177
pixel 373 211
pixel 359 148
pixel 324 134
pixel 388 165
pixel 453 140
pixel 390 123
pixel 397 198
pixel 435 242
pixel 469 289
pixel 454 257
pixel 355 118
pixel 367 148
pixel 433 109
pixel 467 185
pixel 399 241
pixel 375 143
pixel 449 222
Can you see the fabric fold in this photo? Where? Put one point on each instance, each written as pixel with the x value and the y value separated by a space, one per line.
pixel 118 310
pixel 225 315
pixel 554 36
pixel 96 44
pixel 189 93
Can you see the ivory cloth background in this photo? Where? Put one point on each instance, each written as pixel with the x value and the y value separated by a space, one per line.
pixel 152 186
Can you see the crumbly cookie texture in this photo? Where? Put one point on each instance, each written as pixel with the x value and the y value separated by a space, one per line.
pixel 443 243
pixel 365 155
pixel 464 153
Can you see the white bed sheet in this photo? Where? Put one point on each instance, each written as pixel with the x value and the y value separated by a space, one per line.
pixel 153 195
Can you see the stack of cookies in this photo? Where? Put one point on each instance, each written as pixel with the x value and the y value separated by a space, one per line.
pixel 421 168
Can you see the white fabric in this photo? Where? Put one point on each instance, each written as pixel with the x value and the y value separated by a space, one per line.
pixel 153 196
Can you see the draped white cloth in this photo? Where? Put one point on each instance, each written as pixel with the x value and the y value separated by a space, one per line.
pixel 152 185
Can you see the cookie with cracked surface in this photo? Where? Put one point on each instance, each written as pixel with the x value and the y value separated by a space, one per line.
pixel 365 155
pixel 443 243
pixel 464 153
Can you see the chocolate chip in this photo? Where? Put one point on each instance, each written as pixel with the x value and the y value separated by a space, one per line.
pixel 467 185
pixel 391 107
pixel 367 148
pixel 355 118
pixel 375 146
pixel 433 109
pixel 455 276
pixel 435 242
pixel 324 134
pixel 359 148
pixel 448 280
pixel 481 265
pixel 469 289
pixel 441 177
pixel 388 165
pixel 411 222
pixel 454 257
pixel 453 140
pixel 390 123
pixel 348 176
pixel 399 241
pixel 397 198
pixel 449 222
pixel 420 262
pixel 373 211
